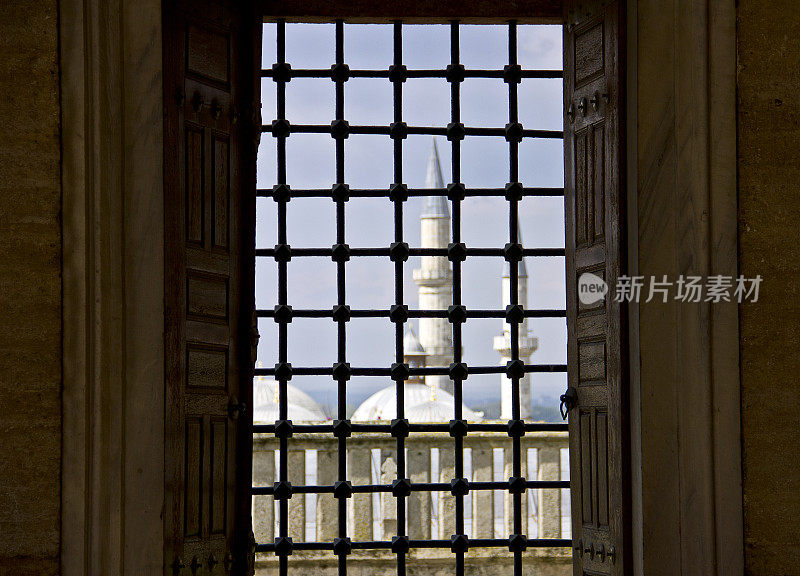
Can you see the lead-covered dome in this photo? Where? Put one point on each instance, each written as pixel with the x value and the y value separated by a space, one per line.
pixel 301 407
pixel 422 403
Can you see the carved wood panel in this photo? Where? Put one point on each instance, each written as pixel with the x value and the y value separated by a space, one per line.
pixel 594 198
pixel 208 251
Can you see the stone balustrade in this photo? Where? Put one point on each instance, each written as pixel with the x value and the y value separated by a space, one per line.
pixel 430 458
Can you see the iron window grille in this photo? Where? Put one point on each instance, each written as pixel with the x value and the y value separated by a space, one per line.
pixel 398 252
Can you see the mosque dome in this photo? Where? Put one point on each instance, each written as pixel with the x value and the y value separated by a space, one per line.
pixel 301 407
pixel 422 404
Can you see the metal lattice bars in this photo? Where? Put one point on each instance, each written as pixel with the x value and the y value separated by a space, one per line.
pixel 283 464
pixel 283 543
pixel 286 371
pixel 364 313
pixel 513 228
pixel 397 106
pixel 468 73
pixel 413 192
pixel 399 313
pixel 445 544
pixel 449 131
pixel 287 252
pixel 412 427
pixel 414 487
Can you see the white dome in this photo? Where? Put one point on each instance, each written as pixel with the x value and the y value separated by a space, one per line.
pixel 422 404
pixel 301 407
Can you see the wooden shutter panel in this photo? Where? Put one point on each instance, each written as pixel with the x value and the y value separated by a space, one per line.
pixel 208 156
pixel 594 203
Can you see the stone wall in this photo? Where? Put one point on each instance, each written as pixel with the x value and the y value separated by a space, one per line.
pixel 30 289
pixel 684 392
pixel 769 220
pixel 363 516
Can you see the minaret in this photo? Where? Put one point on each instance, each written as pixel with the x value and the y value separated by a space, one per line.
pixel 434 278
pixel 414 354
pixel 527 344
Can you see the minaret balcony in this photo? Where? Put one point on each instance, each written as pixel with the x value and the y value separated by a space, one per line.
pixel 425 277
pixel 527 345
pixel 440 355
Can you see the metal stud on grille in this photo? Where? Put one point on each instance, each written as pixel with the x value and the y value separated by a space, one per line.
pixel 398 252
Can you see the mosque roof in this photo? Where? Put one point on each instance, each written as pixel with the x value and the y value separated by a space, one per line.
pixel 422 403
pixel 301 407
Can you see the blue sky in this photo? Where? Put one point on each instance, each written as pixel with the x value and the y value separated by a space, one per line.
pixel 310 164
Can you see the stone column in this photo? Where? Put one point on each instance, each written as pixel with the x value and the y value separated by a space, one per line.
pixel 419 503
pixel 388 501
pixel 508 498
pixel 297 503
pixel 447 502
pixel 264 506
pixel 482 500
pixel 327 505
pixel 549 459
pixel 436 334
pixel 359 464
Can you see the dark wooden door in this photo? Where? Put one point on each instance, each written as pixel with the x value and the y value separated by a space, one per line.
pixel 594 205
pixel 208 167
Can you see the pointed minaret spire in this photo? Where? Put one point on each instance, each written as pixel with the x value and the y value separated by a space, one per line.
pixel 522 271
pixel 434 277
pixel 434 177
pixel 411 345
pixel 435 206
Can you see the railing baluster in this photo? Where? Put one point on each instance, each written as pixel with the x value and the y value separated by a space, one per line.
pixel 388 503
pixel 549 461
pixel 508 498
pixel 359 462
pixel 419 503
pixel 263 506
pixel 482 500
pixel 447 502
pixel 327 507
pixel 296 468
